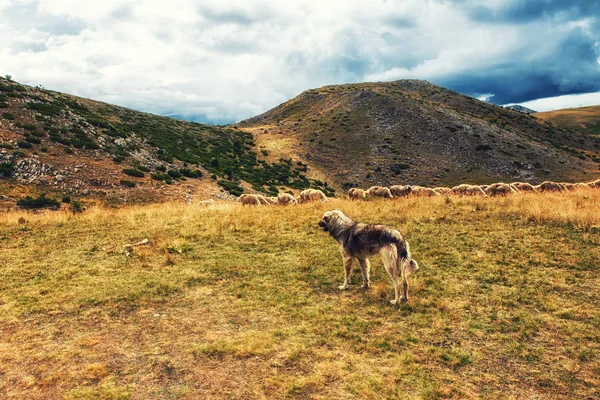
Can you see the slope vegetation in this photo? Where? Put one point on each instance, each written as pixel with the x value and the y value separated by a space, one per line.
pixel 414 132
pixel 57 142
pixel 584 119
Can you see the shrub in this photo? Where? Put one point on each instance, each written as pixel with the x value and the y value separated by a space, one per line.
pixel 133 172
pixel 232 187
pixel 161 168
pixel 24 145
pixel 3 104
pixel 162 177
pixel 8 116
pixel 173 173
pixel 40 202
pixel 118 159
pixel 127 183
pixel 144 168
pixel 66 199
pixel 483 147
pixel 6 169
pixel 191 173
pixel 76 207
pixel 398 168
pixel 33 139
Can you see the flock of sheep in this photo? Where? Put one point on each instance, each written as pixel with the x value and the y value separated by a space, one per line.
pixel 396 191
pixel 495 189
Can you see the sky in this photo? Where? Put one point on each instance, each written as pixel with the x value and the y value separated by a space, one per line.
pixel 222 61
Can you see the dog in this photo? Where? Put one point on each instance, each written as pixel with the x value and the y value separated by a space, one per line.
pixel 358 240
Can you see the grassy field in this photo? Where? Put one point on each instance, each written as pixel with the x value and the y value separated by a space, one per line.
pixel 232 302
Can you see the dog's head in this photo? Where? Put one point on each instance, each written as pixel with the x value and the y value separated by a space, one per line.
pixel 329 219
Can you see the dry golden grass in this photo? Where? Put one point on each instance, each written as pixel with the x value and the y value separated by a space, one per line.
pixel 234 302
pixel 581 118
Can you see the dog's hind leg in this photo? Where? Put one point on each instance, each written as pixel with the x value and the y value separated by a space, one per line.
pixel 347 270
pixel 365 269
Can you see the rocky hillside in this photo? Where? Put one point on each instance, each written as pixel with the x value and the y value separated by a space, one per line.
pixel 67 145
pixel 520 108
pixel 411 131
pixel 584 119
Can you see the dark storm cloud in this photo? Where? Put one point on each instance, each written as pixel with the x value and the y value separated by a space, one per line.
pixel 523 11
pixel 571 68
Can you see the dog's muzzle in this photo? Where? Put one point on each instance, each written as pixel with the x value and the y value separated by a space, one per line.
pixel 323 225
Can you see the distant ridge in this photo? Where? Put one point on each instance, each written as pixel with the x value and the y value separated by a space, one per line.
pixel 583 119
pixel 520 108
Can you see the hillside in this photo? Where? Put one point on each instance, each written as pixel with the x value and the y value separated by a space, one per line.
pixel 411 131
pixel 230 302
pixel 584 119
pixel 67 145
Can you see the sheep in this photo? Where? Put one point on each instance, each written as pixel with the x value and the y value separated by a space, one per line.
pixel 549 186
pixel 309 195
pixel 380 191
pixel 250 200
pixel 500 189
pixel 285 199
pixel 468 190
pixel 263 200
pixel 524 186
pixel 357 194
pixel 400 190
pixel 442 190
pixel 420 191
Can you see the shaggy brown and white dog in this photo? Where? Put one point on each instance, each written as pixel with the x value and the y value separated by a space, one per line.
pixel 360 241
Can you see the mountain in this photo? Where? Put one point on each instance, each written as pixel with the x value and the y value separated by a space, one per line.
pixel 584 119
pixel 67 145
pixel 520 108
pixel 412 131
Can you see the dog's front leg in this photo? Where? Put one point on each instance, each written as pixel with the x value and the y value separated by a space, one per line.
pixel 347 270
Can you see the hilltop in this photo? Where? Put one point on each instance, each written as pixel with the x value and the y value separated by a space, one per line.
pixel 67 145
pixel 584 119
pixel 412 131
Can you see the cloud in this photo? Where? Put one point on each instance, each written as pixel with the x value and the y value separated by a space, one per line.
pixel 228 60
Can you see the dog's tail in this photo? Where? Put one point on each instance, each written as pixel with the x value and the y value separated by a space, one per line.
pixel 406 265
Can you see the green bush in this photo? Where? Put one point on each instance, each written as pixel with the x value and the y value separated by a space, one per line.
pixel 6 169
pixel 188 173
pixel 232 187
pixel 173 173
pixel 40 202
pixel 162 177
pixel 66 199
pixel 483 147
pixel 33 139
pixel 24 145
pixel 76 207
pixel 161 168
pixel 133 172
pixel 127 183
pixel 8 116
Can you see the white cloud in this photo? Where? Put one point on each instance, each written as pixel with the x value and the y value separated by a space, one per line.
pixel 229 60
pixel 566 101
